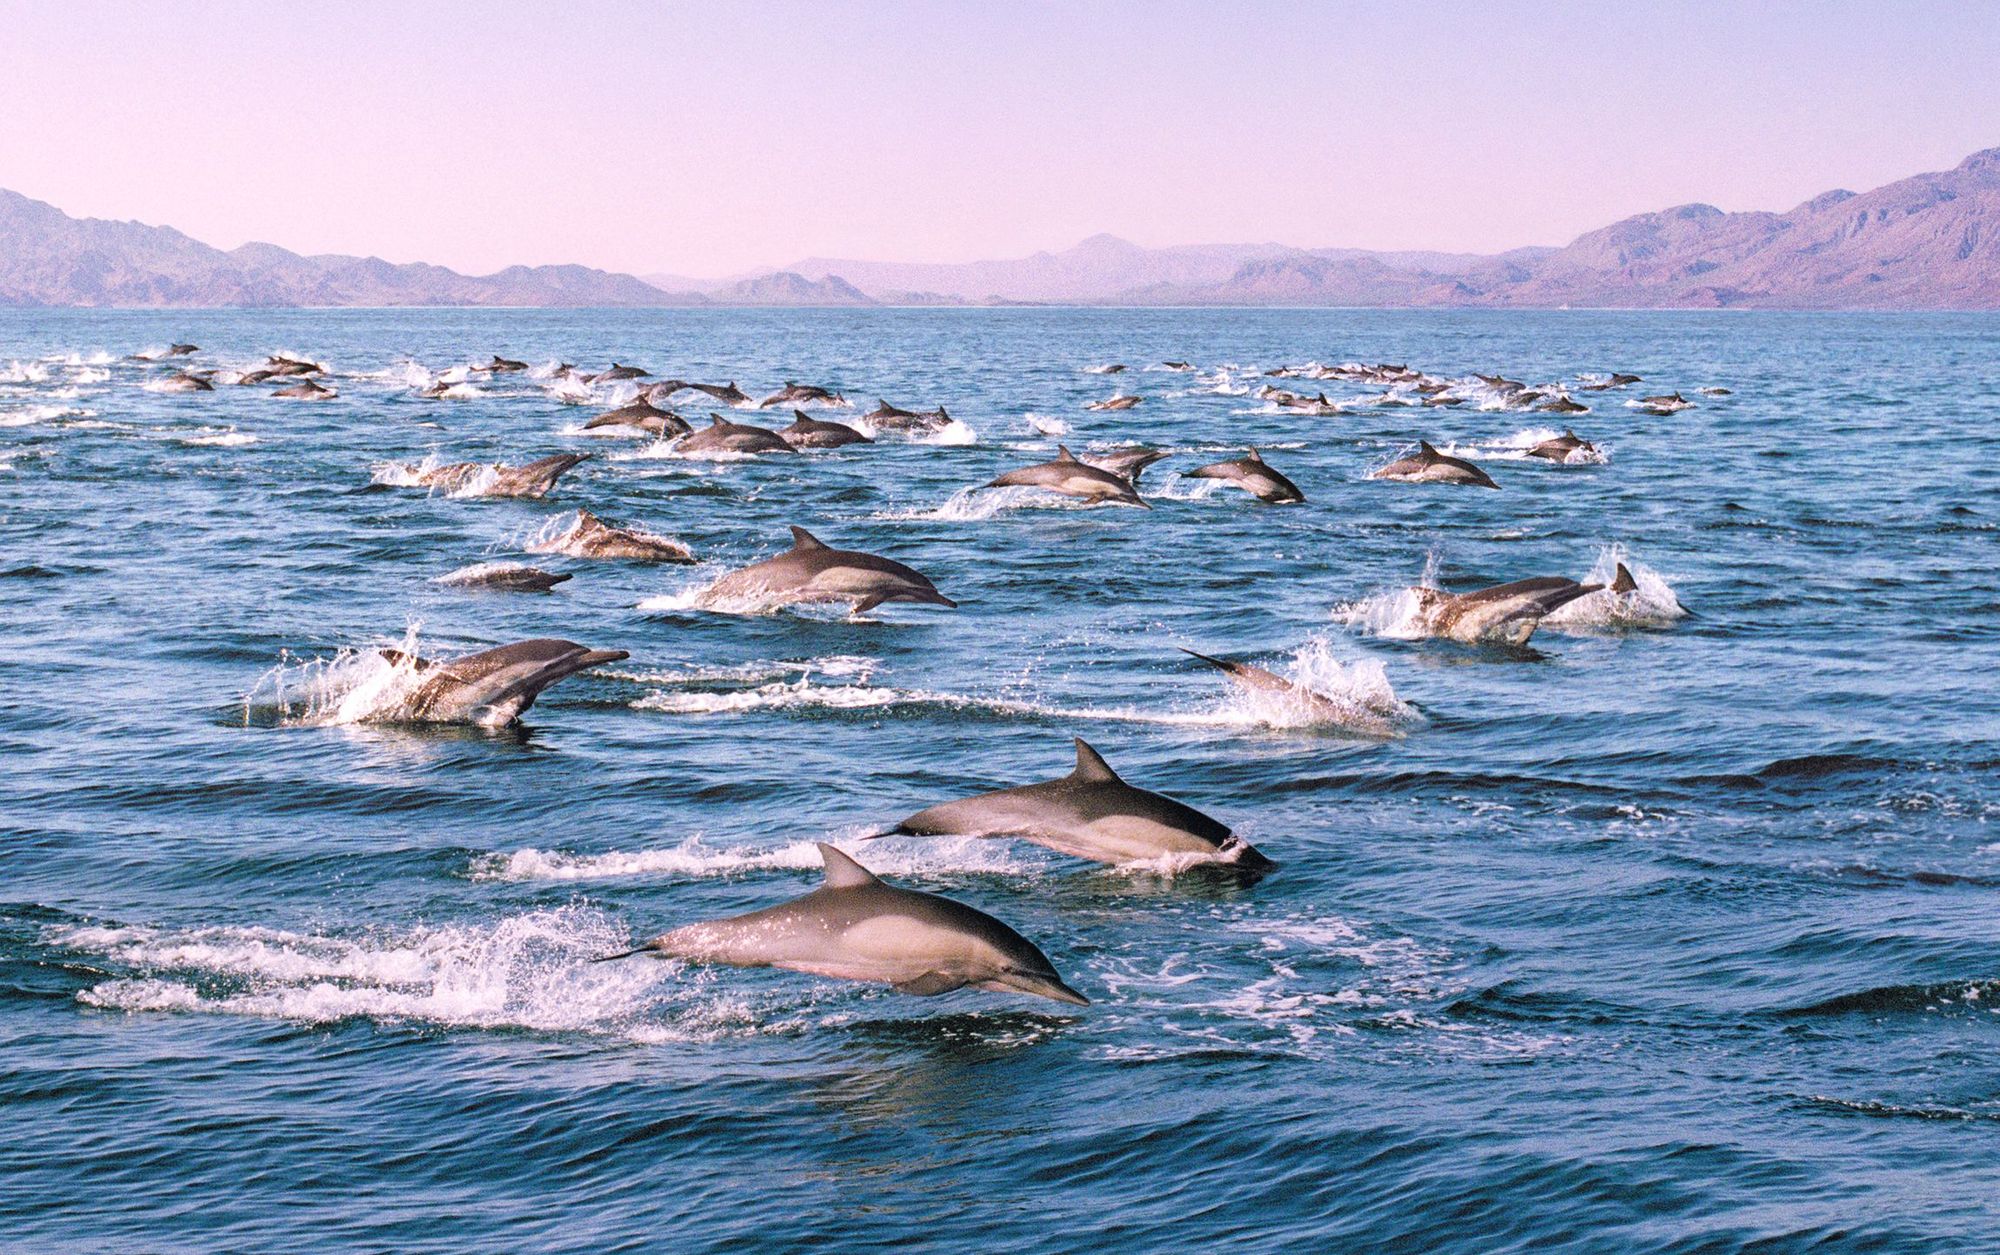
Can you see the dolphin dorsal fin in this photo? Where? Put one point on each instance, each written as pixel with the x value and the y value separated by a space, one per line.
pixel 805 540
pixel 843 872
pixel 1624 583
pixel 1424 449
pixel 1090 765
pixel 942 414
pixel 716 420
pixel 1253 456
pixel 800 416
pixel 1063 454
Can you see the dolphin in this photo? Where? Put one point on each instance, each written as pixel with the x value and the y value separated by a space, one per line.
pixel 591 537
pixel 1127 463
pixel 508 577
pixel 856 927
pixel 1324 709
pixel 494 688
pixel 1115 368
pixel 1072 478
pixel 1615 381
pixel 1560 403
pixel 1119 402
pixel 887 417
pixel 1561 447
pixel 280 364
pixel 1428 466
pixel 182 350
pixel 810 571
pixel 306 390
pixel 1505 614
pixel 530 479
pixel 502 366
pixel 800 394
pixel 182 381
pixel 807 432
pixel 723 436
pixel 727 393
pixel 1182 366
pixel 1090 813
pixel 1715 392
pixel 643 415
pixel 1672 403
pixel 1250 473
pixel 617 373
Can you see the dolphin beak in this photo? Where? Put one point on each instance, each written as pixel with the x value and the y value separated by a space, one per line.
pixel 939 599
pixel 598 657
pixel 1033 983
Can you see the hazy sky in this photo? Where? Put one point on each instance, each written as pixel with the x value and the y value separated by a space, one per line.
pixel 710 137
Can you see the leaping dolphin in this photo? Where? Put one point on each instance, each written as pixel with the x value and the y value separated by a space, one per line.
pixel 727 393
pixel 887 417
pixel 591 537
pixel 530 479
pixel 306 390
pixel 807 432
pixel 856 927
pixel 1120 402
pixel 801 394
pixel 1072 478
pixel 182 381
pixel 644 416
pixel 1250 473
pixel 1127 463
pixel 1561 447
pixel 494 688
pixel 810 571
pixel 616 373
pixel 1090 813
pixel 723 436
pixel 1505 614
pixel 1428 466
pixel 1350 715
pixel 501 366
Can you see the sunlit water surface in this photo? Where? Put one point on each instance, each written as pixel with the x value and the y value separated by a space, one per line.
pixel 1673 936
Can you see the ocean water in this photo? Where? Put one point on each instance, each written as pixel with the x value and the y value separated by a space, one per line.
pixel 1663 934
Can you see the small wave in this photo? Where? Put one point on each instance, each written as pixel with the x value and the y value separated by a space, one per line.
pixel 227 438
pixel 529 971
pixel 1047 424
pixel 28 416
pixel 693 859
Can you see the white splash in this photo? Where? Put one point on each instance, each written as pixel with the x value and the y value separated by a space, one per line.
pixel 530 971
pixel 1651 605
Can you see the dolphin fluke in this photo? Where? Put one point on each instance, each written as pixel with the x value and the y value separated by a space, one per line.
pixel 622 954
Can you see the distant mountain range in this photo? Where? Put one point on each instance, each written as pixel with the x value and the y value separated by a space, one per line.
pixel 1927 242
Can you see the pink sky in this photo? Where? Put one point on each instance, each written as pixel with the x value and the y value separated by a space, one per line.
pixel 709 138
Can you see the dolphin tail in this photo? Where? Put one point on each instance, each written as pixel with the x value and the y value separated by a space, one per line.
pixel 1217 663
pixel 622 954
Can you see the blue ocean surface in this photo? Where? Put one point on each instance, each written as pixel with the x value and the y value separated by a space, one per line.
pixel 1663 933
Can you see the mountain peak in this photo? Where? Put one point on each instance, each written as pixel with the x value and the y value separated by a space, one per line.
pixel 1985 161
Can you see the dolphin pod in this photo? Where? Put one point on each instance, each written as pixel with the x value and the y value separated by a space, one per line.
pixel 1090 813
pixel 856 927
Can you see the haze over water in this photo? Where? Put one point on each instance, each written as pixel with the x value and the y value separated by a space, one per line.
pixel 1673 937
